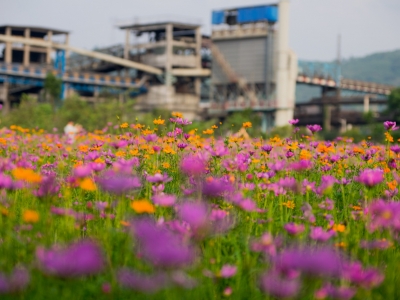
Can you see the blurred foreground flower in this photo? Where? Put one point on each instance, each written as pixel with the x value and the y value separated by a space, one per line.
pixel 15 282
pixel 78 259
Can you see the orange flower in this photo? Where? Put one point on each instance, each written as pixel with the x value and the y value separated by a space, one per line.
pixel 124 125
pixel 30 216
pixel 159 121
pixel 208 131
pixel 247 125
pixel 87 184
pixel 177 114
pixel 27 175
pixel 142 206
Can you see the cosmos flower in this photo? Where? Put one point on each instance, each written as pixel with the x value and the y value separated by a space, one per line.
pixel 390 126
pixel 117 183
pixel 78 259
pixel 16 281
pixel 314 128
pixel 370 177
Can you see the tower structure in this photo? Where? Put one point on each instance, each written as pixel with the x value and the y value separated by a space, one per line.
pixel 252 64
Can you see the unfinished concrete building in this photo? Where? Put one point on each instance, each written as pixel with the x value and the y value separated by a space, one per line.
pixel 176 49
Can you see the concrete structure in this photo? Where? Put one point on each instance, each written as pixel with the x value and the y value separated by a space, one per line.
pixel 253 65
pixel 175 48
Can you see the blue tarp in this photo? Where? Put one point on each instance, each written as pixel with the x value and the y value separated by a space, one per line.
pixel 218 17
pixel 255 14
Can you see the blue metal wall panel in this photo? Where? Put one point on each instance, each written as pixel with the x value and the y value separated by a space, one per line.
pixel 218 17
pixel 256 14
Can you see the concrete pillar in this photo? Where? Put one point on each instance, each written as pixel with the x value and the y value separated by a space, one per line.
pixel 168 54
pixel 48 52
pixel 127 44
pixel 8 49
pixel 5 98
pixel 67 53
pixel 197 81
pixel 284 108
pixel 366 103
pixel 327 117
pixel 27 48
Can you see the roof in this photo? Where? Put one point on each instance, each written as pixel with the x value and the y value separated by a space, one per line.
pixel 157 25
pixel 40 30
pixel 242 7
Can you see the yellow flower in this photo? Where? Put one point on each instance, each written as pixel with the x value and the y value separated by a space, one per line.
pixel 124 125
pixel 208 131
pixel 214 127
pixel 87 184
pixel 339 227
pixel 304 154
pixel 177 114
pixel 247 125
pixel 30 216
pixel 166 165
pixel 389 138
pixel 27 175
pixel 159 121
pixel 289 204
pixel 142 206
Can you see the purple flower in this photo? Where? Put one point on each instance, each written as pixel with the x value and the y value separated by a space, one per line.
pixel 162 247
pixel 182 145
pixel 193 165
pixel 5 181
pixel 195 214
pixel 17 281
pixel 327 204
pixel 151 137
pixel 319 235
pixel 390 126
pixel 314 128
pixel 370 177
pixel 366 278
pixel 48 187
pixel 228 271
pixel 293 228
pixel 266 148
pixel 158 178
pixel 217 187
pixel 78 259
pixel 395 149
pixel 293 121
pixel 278 286
pixel 318 261
pixel 342 293
pixel 118 183
pixel 301 165
pixel 147 283
pixel 164 200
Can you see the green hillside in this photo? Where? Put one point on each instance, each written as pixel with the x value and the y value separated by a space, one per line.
pixel 383 67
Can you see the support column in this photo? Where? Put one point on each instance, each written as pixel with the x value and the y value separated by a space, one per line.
pixel 8 49
pixel 27 48
pixel 127 45
pixel 67 53
pixel 284 108
pixel 197 81
pixel 168 54
pixel 5 98
pixel 366 103
pixel 48 52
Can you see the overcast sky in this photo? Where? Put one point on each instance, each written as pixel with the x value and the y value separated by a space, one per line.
pixel 366 26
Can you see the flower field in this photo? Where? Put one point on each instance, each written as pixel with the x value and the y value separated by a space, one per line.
pixel 156 211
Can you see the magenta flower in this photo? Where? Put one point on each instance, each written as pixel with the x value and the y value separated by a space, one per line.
pixel 162 247
pixel 158 178
pixel 17 281
pixel 193 165
pixel 333 292
pixel 147 283
pixel 228 271
pixel 48 187
pixel 293 228
pixel 370 177
pixel 217 187
pixel 118 183
pixel 293 121
pixel 314 128
pixel 278 286
pixel 266 148
pixel 164 200
pixel 78 259
pixel 323 261
pixel 390 126
pixel 320 235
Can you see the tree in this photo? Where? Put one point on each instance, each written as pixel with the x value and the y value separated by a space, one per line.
pixel 394 105
pixel 52 87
